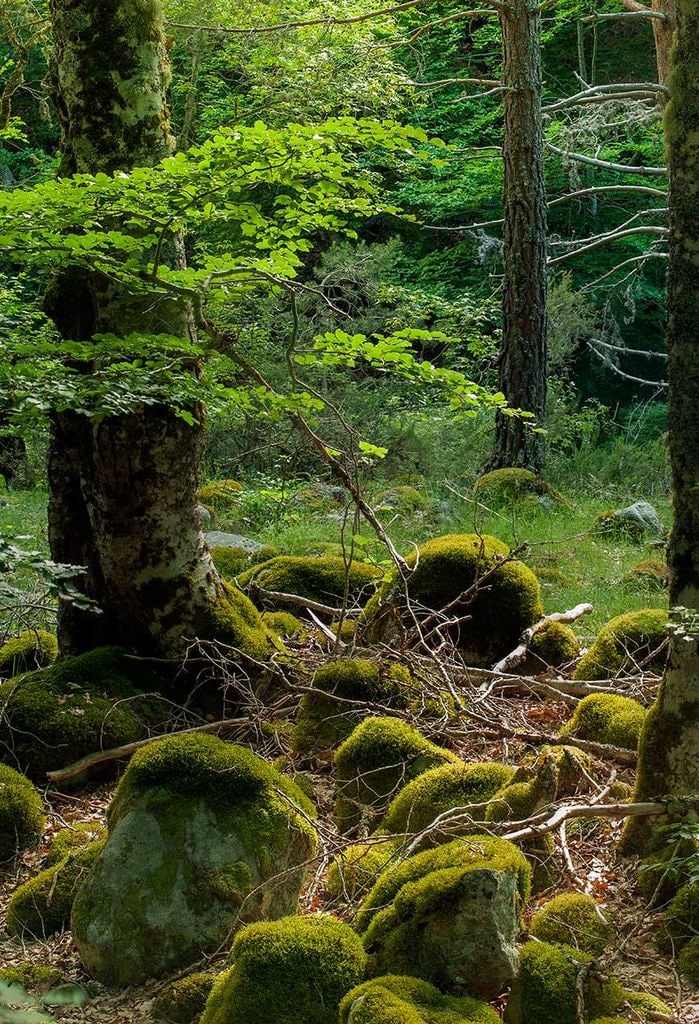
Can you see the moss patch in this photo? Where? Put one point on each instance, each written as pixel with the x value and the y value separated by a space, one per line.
pixel 183 1001
pixel 283 623
pixel 292 971
pixel 651 574
pixel 32 649
pixel 607 718
pixel 554 644
pixel 236 621
pixel 42 906
pixel 220 495
pixel 689 960
pixel 511 486
pixel 356 869
pixel 398 999
pixel 321 578
pixel 573 919
pixel 73 838
pixel 21 813
pixel 624 643
pixel 681 919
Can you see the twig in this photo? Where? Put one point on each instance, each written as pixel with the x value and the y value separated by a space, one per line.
pixel 518 655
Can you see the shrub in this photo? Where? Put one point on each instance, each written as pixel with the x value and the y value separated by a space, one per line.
pixel 21 813
pixel 43 905
pixel 183 1001
pixel 34 648
pixel 607 718
pixel 624 642
pixel 573 919
pixel 398 999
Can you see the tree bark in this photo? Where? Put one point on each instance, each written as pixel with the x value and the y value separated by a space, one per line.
pixel 123 490
pixel 663 32
pixel 669 746
pixel 522 368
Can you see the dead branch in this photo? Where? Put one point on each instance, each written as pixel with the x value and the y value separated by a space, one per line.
pixel 534 826
pixel 606 93
pixel 631 351
pixel 277 596
pixel 661 385
pixel 517 656
pixel 611 236
pixel 638 12
pixel 609 165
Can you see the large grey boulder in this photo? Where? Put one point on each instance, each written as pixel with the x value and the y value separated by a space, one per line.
pixel 203 837
pixel 639 520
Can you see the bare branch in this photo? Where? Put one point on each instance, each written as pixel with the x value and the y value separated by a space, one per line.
pixel 625 263
pixel 609 165
pixel 518 655
pixel 611 236
pixel 606 93
pixel 631 351
pixel 639 12
pixel 660 385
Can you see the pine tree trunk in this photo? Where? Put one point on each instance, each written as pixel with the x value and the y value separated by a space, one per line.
pixel 522 368
pixel 669 747
pixel 123 490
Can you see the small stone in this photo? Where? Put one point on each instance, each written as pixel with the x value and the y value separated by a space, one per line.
pixel 218 539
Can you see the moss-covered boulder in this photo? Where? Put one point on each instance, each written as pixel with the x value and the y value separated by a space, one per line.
pixel 355 870
pixel 238 623
pixel 625 643
pixel 441 789
pixel 221 496
pixel 183 1001
pixel 573 919
pixel 450 915
pixel 681 919
pixel 402 499
pixel 546 988
pixel 72 838
pixel 396 999
pixel 442 570
pixel 511 486
pixel 293 971
pixel 322 578
pixel 32 649
pixel 554 644
pixel 58 714
pixel 284 624
pixel 203 837
pixel 21 813
pixel 645 1007
pixel 42 906
pixel 229 562
pixel 379 757
pixel 651 574
pixel 689 960
pixel 30 976
pixel 632 523
pixel 607 718
pixel 322 722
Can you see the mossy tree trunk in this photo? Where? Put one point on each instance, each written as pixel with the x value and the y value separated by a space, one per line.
pixel 122 490
pixel 522 368
pixel 669 746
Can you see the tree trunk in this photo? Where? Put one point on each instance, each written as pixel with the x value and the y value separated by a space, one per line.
pixel 522 369
pixel 663 32
pixel 669 747
pixel 123 489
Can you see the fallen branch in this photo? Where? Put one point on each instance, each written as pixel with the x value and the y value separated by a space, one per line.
pixel 517 656
pixel 293 599
pixel 569 687
pixel 620 810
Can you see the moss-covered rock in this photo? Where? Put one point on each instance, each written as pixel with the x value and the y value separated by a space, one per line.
pixel 56 715
pixel 681 919
pixel 355 870
pixel 554 644
pixel 321 578
pixel 284 624
pixel 607 718
pixel 293 971
pixel 32 649
pixel 72 838
pixel 322 722
pixel 30 975
pixel 229 562
pixel 396 999
pixel 512 486
pixel 442 570
pixel 689 960
pixel 645 1007
pixel 651 574
pixel 204 836
pixel 449 915
pixel 222 496
pixel 21 813
pixel 624 643
pixel 545 990
pixel 402 499
pixel 376 759
pixel 183 1001
pixel 41 906
pixel 439 790
pixel 573 919
pixel 237 622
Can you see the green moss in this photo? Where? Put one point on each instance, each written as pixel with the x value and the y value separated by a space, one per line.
pixel 322 722
pixel 443 569
pixel 34 648
pixel 292 971
pixel 72 838
pixel 59 714
pixel 402 498
pixel 555 644
pixel 42 906
pixel 236 621
pixel 468 853
pixel 442 788
pixel 607 718
pixel 29 976
pixel 681 919
pixel 283 623
pixel 220 495
pixel 376 759
pixel 355 870
pixel 624 643
pixel 510 486
pixel 689 960
pixel 21 813
pixel 229 561
pixel 573 919
pixel 321 578
pixel 650 574
pixel 398 999
pixel 183 1001
pixel 645 1006
pixel 546 988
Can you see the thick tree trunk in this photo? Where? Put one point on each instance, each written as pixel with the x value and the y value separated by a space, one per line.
pixel 522 370
pixel 669 748
pixel 123 490
pixel 663 32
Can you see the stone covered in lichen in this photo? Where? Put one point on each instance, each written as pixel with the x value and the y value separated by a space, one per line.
pixel 21 813
pixel 34 648
pixel 545 990
pixel 625 643
pixel 322 722
pixel 292 971
pixel 607 718
pixel 56 715
pixel 324 578
pixel 573 919
pixel 379 757
pixel 203 836
pixel 183 1001
pixel 42 905
pixel 449 915
pixel 397 999
pixel 443 569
